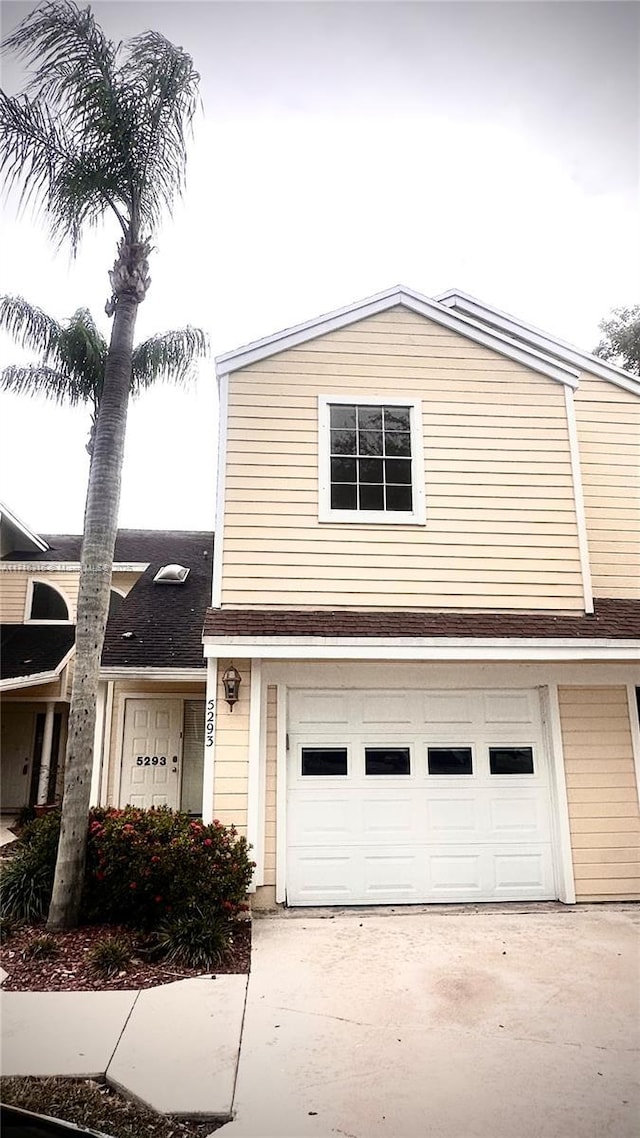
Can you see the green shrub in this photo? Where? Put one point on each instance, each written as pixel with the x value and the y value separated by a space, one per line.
pixel 43 947
pixel 26 814
pixel 26 878
pixel 109 955
pixel 197 936
pixel 9 926
pixel 146 865
pixel 142 866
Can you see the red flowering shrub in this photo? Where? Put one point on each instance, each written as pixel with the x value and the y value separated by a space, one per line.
pixel 143 864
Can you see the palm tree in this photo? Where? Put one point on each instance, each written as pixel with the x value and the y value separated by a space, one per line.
pixel 73 356
pixel 100 131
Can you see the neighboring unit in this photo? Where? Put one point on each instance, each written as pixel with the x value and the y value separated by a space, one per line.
pixel 427 573
pixel 150 717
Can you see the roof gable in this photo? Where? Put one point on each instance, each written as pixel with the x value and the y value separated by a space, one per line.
pixel 496 320
pixel 399 296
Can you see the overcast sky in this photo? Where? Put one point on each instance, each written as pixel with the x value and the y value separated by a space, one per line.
pixel 346 147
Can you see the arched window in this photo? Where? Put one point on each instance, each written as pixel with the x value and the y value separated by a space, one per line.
pixel 47 603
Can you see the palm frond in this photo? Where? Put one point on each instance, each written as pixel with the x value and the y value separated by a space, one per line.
pixel 64 144
pixel 83 355
pixel 73 61
pixel 168 357
pixel 38 379
pixel 162 83
pixel 72 355
pixel 103 127
pixel 29 326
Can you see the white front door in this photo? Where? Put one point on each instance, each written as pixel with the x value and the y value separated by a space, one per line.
pixel 417 796
pixel 18 727
pixel 151 753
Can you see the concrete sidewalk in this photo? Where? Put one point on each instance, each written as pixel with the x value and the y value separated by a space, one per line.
pixel 477 1024
pixel 174 1047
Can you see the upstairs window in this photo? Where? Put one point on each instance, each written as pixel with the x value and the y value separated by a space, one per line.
pixel 47 603
pixel 370 460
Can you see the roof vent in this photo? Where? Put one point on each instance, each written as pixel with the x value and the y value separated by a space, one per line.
pixel 171 575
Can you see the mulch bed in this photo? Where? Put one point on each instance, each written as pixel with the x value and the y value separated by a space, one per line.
pixel 68 970
pixel 97 1107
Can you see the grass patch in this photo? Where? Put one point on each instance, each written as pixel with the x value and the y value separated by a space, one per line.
pixel 95 1106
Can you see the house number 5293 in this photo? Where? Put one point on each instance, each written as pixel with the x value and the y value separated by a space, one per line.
pixel 211 704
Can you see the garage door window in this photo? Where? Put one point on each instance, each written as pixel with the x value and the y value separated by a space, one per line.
pixel 450 760
pixel 511 760
pixel 329 762
pixel 387 760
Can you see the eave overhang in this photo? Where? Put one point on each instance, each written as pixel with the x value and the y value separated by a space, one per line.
pixel 398 296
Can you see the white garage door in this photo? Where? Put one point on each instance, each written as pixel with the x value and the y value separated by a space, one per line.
pixel 420 796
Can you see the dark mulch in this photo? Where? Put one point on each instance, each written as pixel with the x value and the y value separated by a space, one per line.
pixel 97 1107
pixel 68 970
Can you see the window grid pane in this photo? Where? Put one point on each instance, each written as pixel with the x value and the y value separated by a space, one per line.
pixel 371 465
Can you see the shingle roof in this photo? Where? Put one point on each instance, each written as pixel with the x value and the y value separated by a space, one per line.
pixel 613 619
pixel 166 620
pixel 29 649
pixel 132 545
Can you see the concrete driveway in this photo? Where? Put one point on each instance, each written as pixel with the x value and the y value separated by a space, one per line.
pixel 465 1023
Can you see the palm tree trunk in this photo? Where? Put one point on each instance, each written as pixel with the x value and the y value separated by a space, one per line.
pixel 100 529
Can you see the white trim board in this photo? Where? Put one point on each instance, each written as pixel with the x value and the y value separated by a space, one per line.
pixel 473 307
pixel 179 675
pixel 374 648
pixel 67 566
pixel 12 683
pixel 578 499
pixel 218 542
pixel 15 523
pixel 550 708
pixel 382 302
pixel 634 724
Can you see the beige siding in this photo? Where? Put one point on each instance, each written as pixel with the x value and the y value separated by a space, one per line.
pixel 13 591
pixel 55 690
pixel 601 788
pixel 501 526
pixel 124 581
pixel 230 781
pixel 608 421
pixel 270 787
pixel 14 582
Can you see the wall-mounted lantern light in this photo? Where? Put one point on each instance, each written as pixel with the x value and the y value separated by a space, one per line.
pixel 231 680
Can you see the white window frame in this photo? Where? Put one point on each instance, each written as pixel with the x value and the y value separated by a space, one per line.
pixel 28 619
pixel 416 516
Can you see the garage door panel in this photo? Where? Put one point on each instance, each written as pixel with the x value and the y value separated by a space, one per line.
pixel 391 876
pixel 444 707
pixel 455 817
pixel 455 873
pixel 508 707
pixel 317 709
pixel 396 709
pixel 321 818
pixel 390 817
pixel 512 815
pixel 522 873
pixel 323 877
